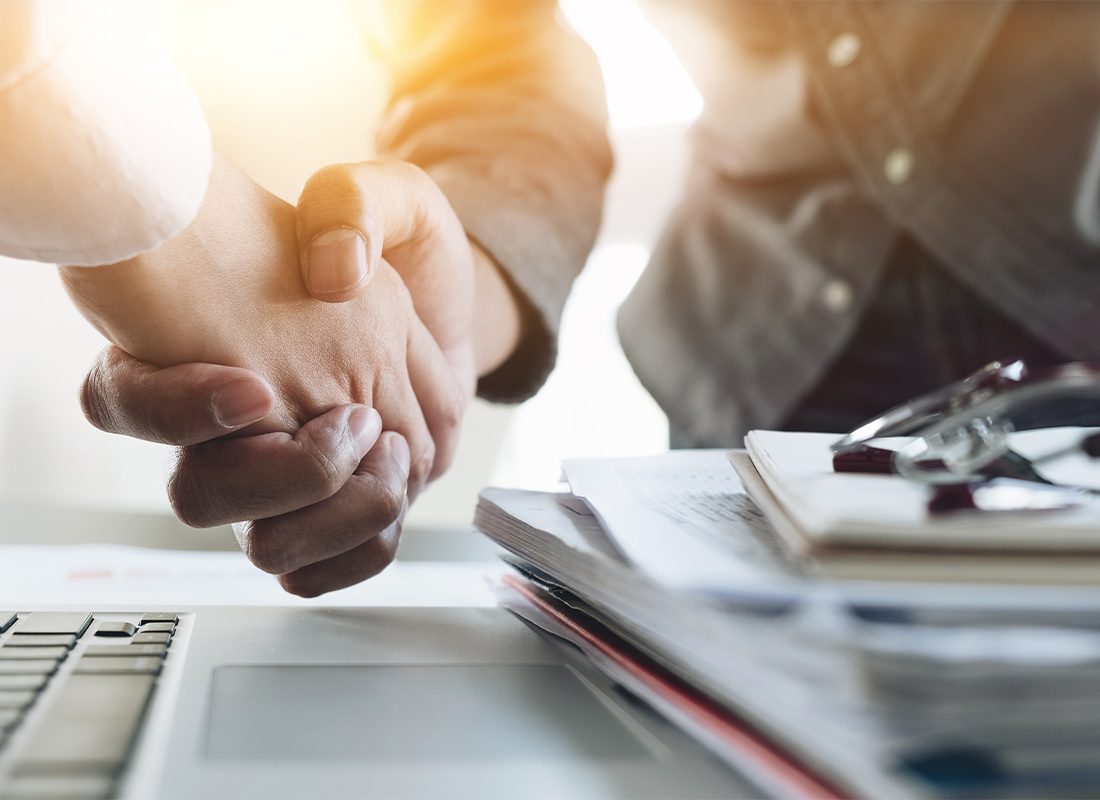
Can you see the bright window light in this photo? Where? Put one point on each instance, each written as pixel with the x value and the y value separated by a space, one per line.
pixel 646 84
pixel 593 405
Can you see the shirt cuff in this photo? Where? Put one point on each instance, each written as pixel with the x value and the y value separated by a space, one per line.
pixel 522 230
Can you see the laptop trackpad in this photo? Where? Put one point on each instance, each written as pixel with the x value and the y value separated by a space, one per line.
pixel 413 712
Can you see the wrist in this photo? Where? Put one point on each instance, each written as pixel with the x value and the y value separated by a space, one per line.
pixel 498 325
pixel 121 299
pixel 108 296
pixel 162 305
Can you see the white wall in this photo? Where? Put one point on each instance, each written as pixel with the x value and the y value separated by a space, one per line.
pixel 272 92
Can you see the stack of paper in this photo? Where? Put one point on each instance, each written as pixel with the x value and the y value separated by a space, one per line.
pixel 562 551
pixel 666 574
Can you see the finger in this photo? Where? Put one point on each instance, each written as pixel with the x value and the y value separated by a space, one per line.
pixel 341 229
pixel 441 397
pixel 351 215
pixel 181 405
pixel 254 477
pixel 366 207
pixel 402 414
pixel 348 569
pixel 371 501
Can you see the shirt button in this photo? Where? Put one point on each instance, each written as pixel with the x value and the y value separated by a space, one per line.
pixel 837 296
pixel 898 166
pixel 844 49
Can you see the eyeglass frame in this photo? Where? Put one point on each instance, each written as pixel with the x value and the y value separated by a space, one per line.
pixel 962 406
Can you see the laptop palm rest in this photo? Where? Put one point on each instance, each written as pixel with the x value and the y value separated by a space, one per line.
pixel 413 712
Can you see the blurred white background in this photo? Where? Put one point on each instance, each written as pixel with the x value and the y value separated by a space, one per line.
pixel 288 86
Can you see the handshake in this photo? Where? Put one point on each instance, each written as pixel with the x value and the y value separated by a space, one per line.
pixel 312 364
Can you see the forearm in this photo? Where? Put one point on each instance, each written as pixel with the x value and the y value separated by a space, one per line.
pixel 151 305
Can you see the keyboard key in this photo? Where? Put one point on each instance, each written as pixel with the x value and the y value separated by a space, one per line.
pixel 42 622
pixel 9 653
pixel 58 787
pixel 40 640
pixel 111 651
pixel 6 619
pixel 152 638
pixel 17 700
pixel 158 627
pixel 116 629
pixel 88 729
pixel 8 718
pixel 127 664
pixel 28 667
pixel 159 617
pixel 34 682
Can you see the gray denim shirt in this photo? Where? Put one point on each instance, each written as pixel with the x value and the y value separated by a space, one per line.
pixel 829 128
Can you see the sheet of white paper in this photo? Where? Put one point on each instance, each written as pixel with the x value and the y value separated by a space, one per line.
pixel 683 518
pixel 103 575
pixel 1073 469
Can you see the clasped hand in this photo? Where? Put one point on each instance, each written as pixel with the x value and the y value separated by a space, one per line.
pixel 308 424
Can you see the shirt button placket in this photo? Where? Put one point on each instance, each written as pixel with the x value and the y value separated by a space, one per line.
pixel 843 50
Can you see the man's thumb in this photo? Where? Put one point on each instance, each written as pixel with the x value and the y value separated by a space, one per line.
pixel 339 235
pixel 350 215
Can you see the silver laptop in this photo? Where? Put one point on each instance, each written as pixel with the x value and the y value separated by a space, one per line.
pixel 322 703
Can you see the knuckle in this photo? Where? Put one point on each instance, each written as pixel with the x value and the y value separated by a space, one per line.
pixel 339 191
pixel 390 503
pixel 383 550
pixel 335 179
pixel 300 585
pixel 261 549
pixel 412 177
pixel 95 406
pixel 421 471
pixel 451 414
pixel 388 546
pixel 89 400
pixel 423 460
pixel 324 453
pixel 448 427
pixel 385 500
pixel 189 494
pixel 181 500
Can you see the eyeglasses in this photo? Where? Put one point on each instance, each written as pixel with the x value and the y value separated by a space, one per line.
pixel 960 437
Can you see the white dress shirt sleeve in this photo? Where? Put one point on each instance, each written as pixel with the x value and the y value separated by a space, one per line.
pixel 104 149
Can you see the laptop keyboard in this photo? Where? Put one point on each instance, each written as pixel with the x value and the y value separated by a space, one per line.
pixel 74 688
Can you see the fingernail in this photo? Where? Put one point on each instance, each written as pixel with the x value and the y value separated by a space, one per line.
pixel 241 403
pixel 336 261
pixel 365 425
pixel 400 450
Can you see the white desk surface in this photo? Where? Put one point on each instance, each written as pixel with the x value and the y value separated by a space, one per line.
pixel 106 575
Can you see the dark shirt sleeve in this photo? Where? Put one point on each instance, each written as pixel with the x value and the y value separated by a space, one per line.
pixel 504 107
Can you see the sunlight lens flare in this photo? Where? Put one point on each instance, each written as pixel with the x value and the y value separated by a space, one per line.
pixel 646 83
